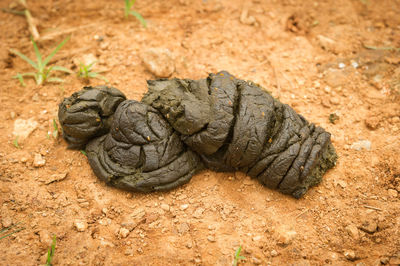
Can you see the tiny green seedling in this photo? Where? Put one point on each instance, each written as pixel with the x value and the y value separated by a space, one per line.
pixel 43 72
pixel 83 152
pixel 51 251
pixel 128 11
pixel 15 142
pixel 55 128
pixel 237 257
pixel 85 72
pixel 4 231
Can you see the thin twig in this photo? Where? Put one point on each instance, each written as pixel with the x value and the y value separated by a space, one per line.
pixel 384 48
pixel 303 212
pixel 278 85
pixel 277 81
pixel 53 35
pixel 32 25
pixel 372 208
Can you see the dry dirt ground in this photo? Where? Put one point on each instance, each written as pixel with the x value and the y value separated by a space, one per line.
pixel 321 57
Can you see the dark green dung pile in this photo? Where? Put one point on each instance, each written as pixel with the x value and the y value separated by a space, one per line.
pixel 182 126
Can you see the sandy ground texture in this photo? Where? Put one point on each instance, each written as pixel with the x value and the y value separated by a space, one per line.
pixel 335 62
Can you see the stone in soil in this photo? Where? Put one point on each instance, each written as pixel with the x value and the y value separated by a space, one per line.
pixel 369 226
pixel 48 179
pixel 6 221
pixel 123 232
pixel 23 128
pixel 159 62
pixel 286 237
pixel 164 206
pixel 198 213
pixel 38 160
pixel 349 254
pixel 352 230
pixel 80 226
pixel 361 145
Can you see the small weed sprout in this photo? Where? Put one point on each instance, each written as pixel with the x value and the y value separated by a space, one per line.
pixel 85 72
pixel 5 229
pixel 83 152
pixel 55 130
pixel 43 72
pixel 128 11
pixel 51 251
pixel 237 257
pixel 15 142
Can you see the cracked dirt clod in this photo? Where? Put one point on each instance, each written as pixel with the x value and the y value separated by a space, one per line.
pixel 180 125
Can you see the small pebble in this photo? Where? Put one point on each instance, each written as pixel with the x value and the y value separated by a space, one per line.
pixel 334 100
pixel 274 253
pixel 159 61
pixel 352 230
pixel 123 232
pixel 80 226
pixel 350 255
pixel 164 206
pixel 369 226
pixel 392 193
pixel 38 160
pixel 211 238
pixel 361 145
pixel 257 238
pixel 342 65
pixel 184 207
pixel 286 237
pixel 6 221
pixel 198 213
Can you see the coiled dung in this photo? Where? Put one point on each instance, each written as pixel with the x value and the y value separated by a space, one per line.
pixel 182 126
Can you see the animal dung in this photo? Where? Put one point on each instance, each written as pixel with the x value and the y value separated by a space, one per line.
pixel 182 126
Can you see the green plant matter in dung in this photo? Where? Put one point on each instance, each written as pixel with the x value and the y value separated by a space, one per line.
pixel 51 251
pixel 86 72
pixel 128 11
pixel 4 231
pixel 43 71
pixel 238 257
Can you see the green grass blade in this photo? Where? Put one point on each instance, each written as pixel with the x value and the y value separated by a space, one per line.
pixel 48 58
pixel 8 228
pixel 31 74
pixel 15 142
pixel 89 67
pixel 20 78
pixel 37 53
pixel 98 76
pixel 55 79
pixel 55 128
pixel 51 251
pixel 24 57
pixel 139 17
pixel 63 69
pixel 5 229
pixel 16 231
pixel 127 7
